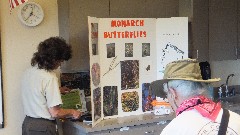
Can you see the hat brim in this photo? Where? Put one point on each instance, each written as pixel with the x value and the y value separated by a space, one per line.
pixel 157 86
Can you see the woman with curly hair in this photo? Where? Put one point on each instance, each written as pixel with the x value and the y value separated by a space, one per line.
pixel 40 89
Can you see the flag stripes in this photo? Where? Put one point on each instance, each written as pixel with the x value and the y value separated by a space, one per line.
pixel 14 3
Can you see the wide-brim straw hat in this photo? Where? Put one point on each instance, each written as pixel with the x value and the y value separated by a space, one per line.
pixel 185 69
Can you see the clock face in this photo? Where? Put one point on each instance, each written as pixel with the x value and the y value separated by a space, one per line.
pixel 31 14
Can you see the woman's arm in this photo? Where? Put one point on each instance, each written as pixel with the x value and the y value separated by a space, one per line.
pixel 58 112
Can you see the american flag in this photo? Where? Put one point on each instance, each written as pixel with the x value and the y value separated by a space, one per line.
pixel 14 3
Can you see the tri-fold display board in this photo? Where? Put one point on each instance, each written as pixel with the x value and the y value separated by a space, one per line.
pixel 126 55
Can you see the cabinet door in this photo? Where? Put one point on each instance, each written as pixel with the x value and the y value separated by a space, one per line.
pixel 78 29
pixel 238 17
pixel 199 48
pixel 223 34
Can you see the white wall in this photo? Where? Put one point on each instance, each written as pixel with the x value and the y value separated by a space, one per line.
pixel 19 42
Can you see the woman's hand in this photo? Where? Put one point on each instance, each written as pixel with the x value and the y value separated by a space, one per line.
pixel 64 90
pixel 76 114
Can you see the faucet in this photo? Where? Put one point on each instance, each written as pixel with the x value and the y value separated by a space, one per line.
pixel 220 91
pixel 227 91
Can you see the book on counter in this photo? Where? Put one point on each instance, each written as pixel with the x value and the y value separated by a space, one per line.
pixel 75 99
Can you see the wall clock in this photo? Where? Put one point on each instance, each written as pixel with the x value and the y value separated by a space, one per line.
pixel 31 14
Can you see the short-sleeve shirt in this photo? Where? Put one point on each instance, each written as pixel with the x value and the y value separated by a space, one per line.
pixel 193 123
pixel 40 91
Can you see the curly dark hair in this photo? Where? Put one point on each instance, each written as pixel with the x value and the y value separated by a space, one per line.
pixel 50 52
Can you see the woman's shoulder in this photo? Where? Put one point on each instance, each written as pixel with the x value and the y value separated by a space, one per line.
pixel 42 72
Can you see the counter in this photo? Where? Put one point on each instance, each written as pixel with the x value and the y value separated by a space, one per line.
pixel 139 124
pixel 232 107
pixel 145 124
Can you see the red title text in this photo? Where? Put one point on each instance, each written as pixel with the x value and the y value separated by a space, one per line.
pixel 126 34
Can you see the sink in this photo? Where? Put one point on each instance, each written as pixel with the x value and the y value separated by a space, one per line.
pixel 231 103
pixel 231 100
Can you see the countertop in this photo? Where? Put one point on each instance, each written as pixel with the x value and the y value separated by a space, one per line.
pixel 120 122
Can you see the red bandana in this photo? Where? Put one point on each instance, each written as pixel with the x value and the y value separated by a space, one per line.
pixel 206 107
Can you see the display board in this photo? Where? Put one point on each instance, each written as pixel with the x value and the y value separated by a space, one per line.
pixel 1 94
pixel 126 55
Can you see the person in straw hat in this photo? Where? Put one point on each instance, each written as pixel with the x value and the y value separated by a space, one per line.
pixel 196 114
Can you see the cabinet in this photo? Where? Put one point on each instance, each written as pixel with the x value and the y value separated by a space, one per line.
pixel 146 124
pixel 143 8
pixel 215 30
pixel 223 30
pixel 73 25
pixel 200 30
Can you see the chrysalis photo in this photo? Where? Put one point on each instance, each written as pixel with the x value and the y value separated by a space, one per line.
pixel 145 49
pixel 110 50
pixel 128 49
